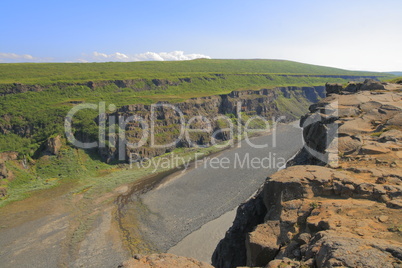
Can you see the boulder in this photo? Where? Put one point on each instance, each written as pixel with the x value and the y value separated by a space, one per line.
pixel 391 135
pixel 53 145
pixel 370 84
pixel 353 87
pixel 349 144
pixel 333 89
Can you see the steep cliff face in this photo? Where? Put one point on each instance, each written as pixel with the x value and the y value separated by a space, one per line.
pixel 136 84
pixel 239 106
pixel 345 214
pixel 142 84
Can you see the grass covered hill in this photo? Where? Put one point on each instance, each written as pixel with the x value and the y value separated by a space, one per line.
pixel 397 80
pixel 45 73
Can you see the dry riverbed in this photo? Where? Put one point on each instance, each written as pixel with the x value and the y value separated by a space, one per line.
pixel 167 217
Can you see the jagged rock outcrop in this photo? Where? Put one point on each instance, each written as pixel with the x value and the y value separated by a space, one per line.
pixel 5 174
pixel 321 216
pixel 18 88
pixel 347 214
pixel 231 251
pixel 333 88
pixel 353 87
pixel 53 145
pixel 341 120
pixel 163 261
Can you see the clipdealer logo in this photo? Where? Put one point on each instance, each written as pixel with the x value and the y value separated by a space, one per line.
pixel 118 125
pixel 110 123
pixel 239 161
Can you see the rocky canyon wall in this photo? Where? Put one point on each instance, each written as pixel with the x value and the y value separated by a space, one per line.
pixel 237 106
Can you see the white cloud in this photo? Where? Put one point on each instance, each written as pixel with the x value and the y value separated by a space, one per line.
pixel 13 56
pixel 100 55
pixel 103 57
pixel 148 56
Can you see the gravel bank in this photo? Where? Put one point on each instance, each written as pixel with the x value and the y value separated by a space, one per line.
pixel 181 206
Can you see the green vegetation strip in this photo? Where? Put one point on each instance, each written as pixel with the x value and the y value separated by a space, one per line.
pixel 45 73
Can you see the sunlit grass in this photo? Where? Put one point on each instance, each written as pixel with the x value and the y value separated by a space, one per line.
pixel 47 73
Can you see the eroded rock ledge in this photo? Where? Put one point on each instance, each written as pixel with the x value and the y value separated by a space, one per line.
pixel 326 218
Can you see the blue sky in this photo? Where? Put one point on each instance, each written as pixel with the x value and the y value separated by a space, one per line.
pixel 354 34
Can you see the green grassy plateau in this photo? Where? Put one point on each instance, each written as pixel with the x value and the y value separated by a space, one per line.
pixel 47 73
